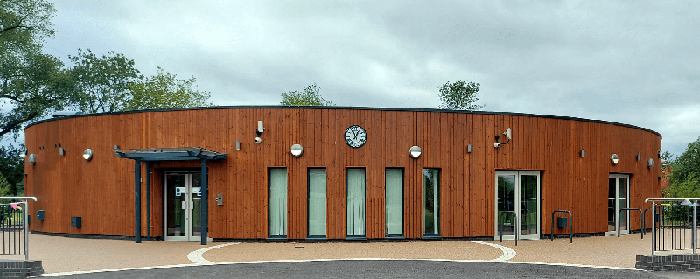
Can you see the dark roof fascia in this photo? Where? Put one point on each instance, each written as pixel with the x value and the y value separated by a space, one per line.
pixel 355 108
pixel 153 155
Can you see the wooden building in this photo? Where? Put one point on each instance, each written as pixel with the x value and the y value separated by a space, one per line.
pixel 356 176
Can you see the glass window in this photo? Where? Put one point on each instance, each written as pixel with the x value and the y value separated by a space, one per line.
pixel 356 189
pixel 317 202
pixel 431 202
pixel 277 219
pixel 394 202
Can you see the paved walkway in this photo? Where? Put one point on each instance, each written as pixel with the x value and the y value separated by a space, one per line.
pixel 64 255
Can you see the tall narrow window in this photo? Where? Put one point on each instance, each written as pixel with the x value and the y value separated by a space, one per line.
pixel 394 202
pixel 277 218
pixel 356 189
pixel 431 202
pixel 317 202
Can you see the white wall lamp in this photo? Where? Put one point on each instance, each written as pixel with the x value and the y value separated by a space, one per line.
pixel 415 152
pixel 87 155
pixel 583 153
pixel 650 163
pixel 259 132
pixel 615 159
pixel 238 145
pixel 32 159
pixel 507 133
pixel 297 150
pixel 469 148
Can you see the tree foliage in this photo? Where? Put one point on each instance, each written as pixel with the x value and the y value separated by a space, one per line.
pixel 310 96
pixel 31 82
pixel 687 164
pixel 103 82
pixel 460 95
pixel 685 173
pixel 11 171
pixel 164 90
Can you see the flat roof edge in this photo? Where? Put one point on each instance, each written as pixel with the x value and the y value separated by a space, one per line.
pixel 352 108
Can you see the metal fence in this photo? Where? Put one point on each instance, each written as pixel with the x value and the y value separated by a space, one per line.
pixel 14 226
pixel 674 226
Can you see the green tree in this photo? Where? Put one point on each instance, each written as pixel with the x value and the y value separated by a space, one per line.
pixel 31 82
pixel 164 90
pixel 310 96
pixel 686 165
pixel 460 95
pixel 103 82
pixel 12 169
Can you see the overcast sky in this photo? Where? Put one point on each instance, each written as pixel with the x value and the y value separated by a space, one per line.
pixel 630 62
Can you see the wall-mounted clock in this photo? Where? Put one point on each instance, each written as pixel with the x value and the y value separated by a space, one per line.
pixel 355 136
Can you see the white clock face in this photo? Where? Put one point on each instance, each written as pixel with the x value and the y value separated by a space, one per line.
pixel 355 136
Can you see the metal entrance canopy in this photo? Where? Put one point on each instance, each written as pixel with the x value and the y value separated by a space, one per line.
pixel 167 154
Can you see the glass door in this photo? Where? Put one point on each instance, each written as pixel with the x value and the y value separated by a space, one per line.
pixel 618 197
pixel 517 204
pixel 183 206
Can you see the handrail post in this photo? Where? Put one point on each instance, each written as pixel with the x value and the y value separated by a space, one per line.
pixel 26 230
pixel 653 227
pixel 695 215
pixel 515 228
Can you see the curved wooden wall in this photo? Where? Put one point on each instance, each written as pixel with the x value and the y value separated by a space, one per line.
pixel 101 191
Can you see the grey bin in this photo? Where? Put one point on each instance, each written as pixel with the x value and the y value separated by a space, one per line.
pixel 562 222
pixel 40 215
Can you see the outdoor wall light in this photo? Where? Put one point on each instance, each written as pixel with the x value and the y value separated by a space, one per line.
pixel 238 145
pixel 32 159
pixel 615 159
pixel 61 151
pixel 583 153
pixel 415 152
pixel 297 150
pixel 87 155
pixel 639 157
pixel 469 148
pixel 650 163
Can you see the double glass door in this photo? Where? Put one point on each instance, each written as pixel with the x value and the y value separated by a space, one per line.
pixel 618 198
pixel 183 206
pixel 518 204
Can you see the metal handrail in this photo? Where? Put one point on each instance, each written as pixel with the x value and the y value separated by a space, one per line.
pixel 571 225
pixel 515 226
pixel 693 232
pixel 641 219
pixel 26 228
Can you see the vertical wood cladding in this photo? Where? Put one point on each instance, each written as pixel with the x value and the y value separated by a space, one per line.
pixel 101 191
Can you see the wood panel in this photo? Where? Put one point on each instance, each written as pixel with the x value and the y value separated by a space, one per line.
pixel 101 191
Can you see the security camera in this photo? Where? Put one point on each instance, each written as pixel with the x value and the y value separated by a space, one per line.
pixel 496 145
pixel 258 139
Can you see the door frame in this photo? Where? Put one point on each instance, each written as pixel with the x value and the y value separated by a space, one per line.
pixel 518 205
pixel 189 214
pixel 617 177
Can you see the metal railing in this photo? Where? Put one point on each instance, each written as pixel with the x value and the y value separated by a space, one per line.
pixel 515 226
pixel 677 217
pixel 629 226
pixel 571 225
pixel 14 226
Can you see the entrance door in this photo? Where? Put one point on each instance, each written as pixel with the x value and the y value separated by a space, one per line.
pixel 183 202
pixel 618 197
pixel 518 195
